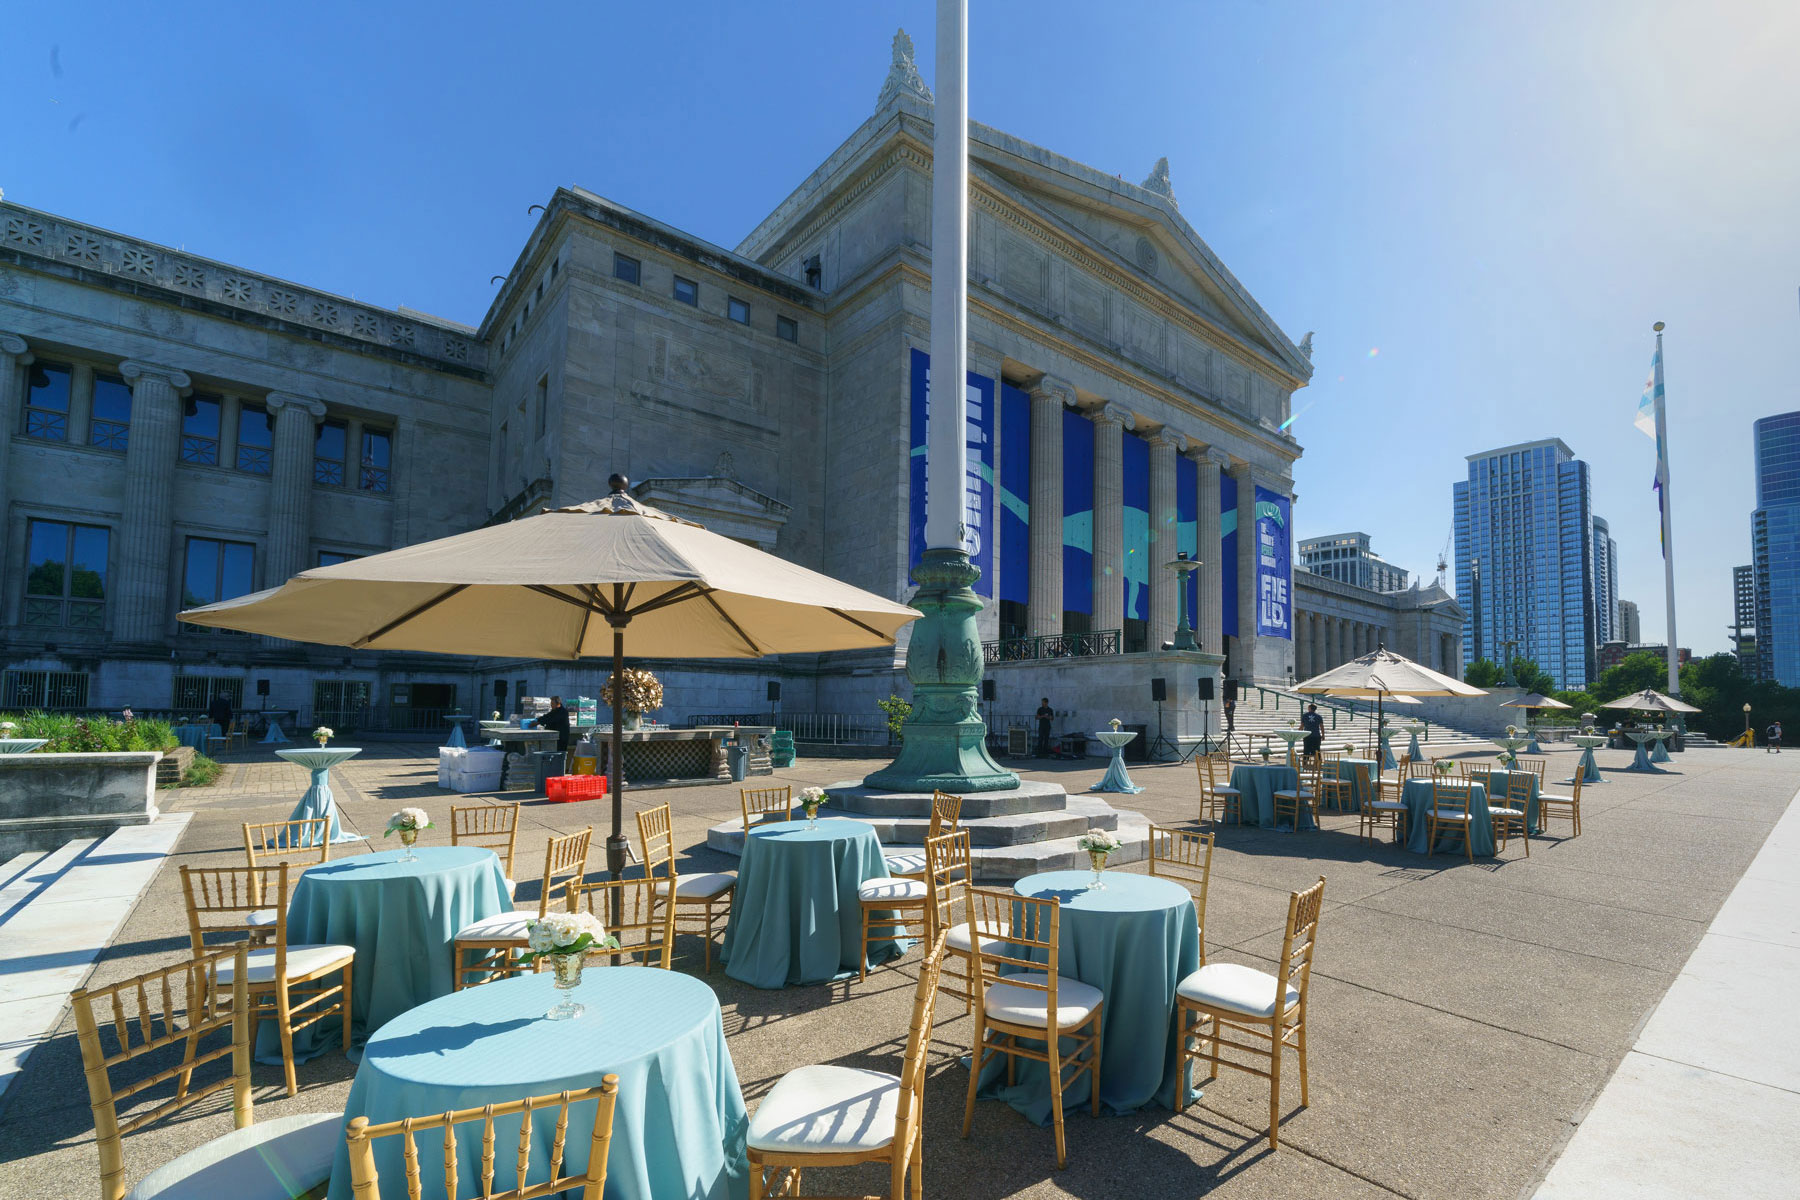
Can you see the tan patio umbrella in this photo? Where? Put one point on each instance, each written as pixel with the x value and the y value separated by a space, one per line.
pixel 1650 700
pixel 1384 675
pixel 567 584
pixel 1533 700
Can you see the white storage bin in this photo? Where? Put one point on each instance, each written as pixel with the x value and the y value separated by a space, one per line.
pixel 466 781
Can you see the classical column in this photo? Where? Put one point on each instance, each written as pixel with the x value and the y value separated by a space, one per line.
pixel 1164 526
pixel 1321 660
pixel 15 356
pixel 1045 610
pixel 1343 641
pixel 1246 658
pixel 290 485
pixel 1110 423
pixel 1210 578
pixel 144 551
pixel 1303 646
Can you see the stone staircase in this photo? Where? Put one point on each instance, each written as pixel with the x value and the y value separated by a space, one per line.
pixel 1012 834
pixel 1258 722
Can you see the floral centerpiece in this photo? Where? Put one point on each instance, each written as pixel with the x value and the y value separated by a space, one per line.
pixel 323 734
pixel 812 799
pixel 631 693
pixel 1507 759
pixel 1349 747
pixel 565 939
pixel 1098 843
pixel 6 729
pixel 1441 765
pixel 1115 723
pixel 407 823
pixel 1265 752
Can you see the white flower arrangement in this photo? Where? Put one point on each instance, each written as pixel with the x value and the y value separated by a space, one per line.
pixel 323 734
pixel 1349 747
pixel 495 716
pixel 561 934
pixel 1293 724
pixel 1512 731
pixel 6 729
pixel 812 799
pixel 1099 841
pixel 1441 766
pixel 1115 723
pixel 1508 758
pixel 408 820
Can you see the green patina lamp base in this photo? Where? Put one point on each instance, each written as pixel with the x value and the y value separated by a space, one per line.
pixel 945 744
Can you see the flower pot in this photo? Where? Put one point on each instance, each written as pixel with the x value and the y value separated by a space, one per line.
pixel 634 720
pixel 566 972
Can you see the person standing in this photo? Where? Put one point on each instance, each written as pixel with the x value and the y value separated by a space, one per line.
pixel 219 712
pixel 558 719
pixel 1314 725
pixel 1774 738
pixel 1045 715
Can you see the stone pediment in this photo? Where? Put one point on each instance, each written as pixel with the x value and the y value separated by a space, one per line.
pixel 720 503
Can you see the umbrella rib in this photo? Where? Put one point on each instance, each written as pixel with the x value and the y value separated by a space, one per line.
pixel 543 590
pixel 838 612
pixel 678 595
pixel 409 615
pixel 724 616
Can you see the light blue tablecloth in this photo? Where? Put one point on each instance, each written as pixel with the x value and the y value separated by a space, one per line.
pixel 1661 752
pixel 456 736
pixel 794 915
pixel 1417 797
pixel 196 735
pixel 679 1125
pixel 1587 770
pixel 1259 784
pixel 1346 769
pixel 1135 941
pixel 1496 783
pixel 402 919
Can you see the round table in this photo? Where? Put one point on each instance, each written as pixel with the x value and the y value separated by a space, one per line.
pixel 1416 795
pixel 318 801
pixel 1258 785
pixel 1386 737
pixel 795 917
pixel 402 918
pixel 1134 940
pixel 1587 770
pixel 1497 782
pixel 1413 753
pixel 456 737
pixel 678 1129
pixel 1346 769
pixel 195 735
pixel 1659 751
pixel 1290 736
pixel 1642 762
pixel 1117 778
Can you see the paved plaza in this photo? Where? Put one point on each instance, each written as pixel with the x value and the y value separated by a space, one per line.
pixel 1463 1019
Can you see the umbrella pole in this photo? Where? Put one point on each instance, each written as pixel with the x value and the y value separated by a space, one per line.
pixel 615 845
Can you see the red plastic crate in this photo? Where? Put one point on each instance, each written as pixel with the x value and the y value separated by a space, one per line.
pixel 565 789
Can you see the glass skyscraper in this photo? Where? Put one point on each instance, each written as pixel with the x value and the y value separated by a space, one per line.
pixel 1775 548
pixel 1606 583
pixel 1524 515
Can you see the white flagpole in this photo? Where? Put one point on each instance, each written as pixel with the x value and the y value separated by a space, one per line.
pixel 947 437
pixel 1668 527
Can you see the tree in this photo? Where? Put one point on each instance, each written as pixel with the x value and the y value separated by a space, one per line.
pixel 1483 674
pixel 1533 678
pixel 1638 671
pixel 1578 702
pixel 897 708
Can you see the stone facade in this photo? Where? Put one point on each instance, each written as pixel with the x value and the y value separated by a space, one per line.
pixel 1337 622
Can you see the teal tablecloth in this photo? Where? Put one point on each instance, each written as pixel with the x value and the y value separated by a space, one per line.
pixel 1345 768
pixel 678 1128
pixel 1496 784
pixel 1134 940
pixel 196 735
pixel 1417 797
pixel 401 917
pixel 1259 784
pixel 794 915
pixel 1661 751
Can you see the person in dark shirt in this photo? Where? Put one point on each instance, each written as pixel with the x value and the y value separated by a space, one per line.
pixel 1774 736
pixel 558 719
pixel 219 711
pixel 1045 715
pixel 1314 725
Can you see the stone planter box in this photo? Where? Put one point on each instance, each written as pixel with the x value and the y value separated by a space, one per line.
pixel 49 799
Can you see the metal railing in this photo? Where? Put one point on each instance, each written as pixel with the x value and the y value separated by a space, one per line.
pixel 1092 644
pixel 836 729
pixel 1269 698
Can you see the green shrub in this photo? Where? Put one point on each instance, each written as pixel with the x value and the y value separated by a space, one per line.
pixel 201 772
pixel 90 735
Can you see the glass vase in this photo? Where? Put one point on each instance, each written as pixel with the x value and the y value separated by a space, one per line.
pixel 566 972
pixel 812 818
pixel 407 838
pixel 1097 859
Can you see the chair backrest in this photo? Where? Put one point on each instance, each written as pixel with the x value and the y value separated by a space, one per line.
pixel 645 929
pixel 364 1181
pixel 948 866
pixel 1032 925
pixel 1534 765
pixel 1450 794
pixel 1207 769
pixel 1518 789
pixel 495 826
pixel 1419 770
pixel 656 838
pixel 1361 783
pixel 304 843
pixel 946 813
pixel 228 895
pixel 565 866
pixel 1297 943
pixel 1186 857
pixel 918 1043
pixel 183 1002
pixel 760 803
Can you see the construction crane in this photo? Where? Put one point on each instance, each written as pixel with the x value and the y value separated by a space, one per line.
pixel 1444 557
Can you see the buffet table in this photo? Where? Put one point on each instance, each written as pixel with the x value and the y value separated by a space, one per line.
pixel 678 757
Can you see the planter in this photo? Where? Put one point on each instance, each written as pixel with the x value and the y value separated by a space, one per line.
pixel 49 799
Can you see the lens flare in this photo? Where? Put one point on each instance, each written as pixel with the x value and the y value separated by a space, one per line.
pixel 1374 351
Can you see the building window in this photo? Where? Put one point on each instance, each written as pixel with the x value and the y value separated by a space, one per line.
pixel 543 403
pixel 216 571
pixel 256 441
pixel 377 461
pixel 194 693
pixel 625 268
pixel 65 575
pixel 737 310
pixel 500 465
pixel 45 689
pixel 200 430
pixel 47 401
pixel 331 558
pixel 687 291
pixel 328 453
pixel 787 329
pixel 110 428
pixel 815 274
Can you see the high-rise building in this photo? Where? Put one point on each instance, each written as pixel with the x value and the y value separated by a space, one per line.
pixel 1525 522
pixel 1606 583
pixel 1775 548
pixel 1631 630
pixel 1346 557
pixel 1743 618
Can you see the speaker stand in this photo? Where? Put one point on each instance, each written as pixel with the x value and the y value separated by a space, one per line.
pixel 1204 745
pixel 1161 743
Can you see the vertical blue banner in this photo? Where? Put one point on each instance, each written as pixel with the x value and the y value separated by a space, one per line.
pixel 1274 566
pixel 1015 495
pixel 1078 517
pixel 1135 452
pixel 978 488
pixel 1228 559
pixel 1187 528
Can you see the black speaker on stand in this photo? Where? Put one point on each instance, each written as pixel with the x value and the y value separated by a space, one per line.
pixel 1159 692
pixel 1203 691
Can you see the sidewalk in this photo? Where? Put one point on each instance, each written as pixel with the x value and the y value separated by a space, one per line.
pixel 1707 1102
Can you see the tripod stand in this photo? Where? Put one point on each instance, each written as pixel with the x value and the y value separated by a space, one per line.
pixel 1204 745
pixel 1161 743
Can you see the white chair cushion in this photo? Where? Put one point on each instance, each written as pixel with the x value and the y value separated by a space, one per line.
pixel 1556 797
pixel 1451 814
pixel 301 960
pixel 1302 794
pixel 892 889
pixel 992 938
pixel 1224 791
pixel 501 927
pixel 1235 988
pixel 1503 811
pixel 905 864
pixel 1075 1001
pixel 827 1109
pixel 511 887
pixel 271 1160
pixel 262 916
pixel 1387 805
pixel 703 886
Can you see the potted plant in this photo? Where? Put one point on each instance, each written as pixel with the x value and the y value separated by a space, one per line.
pixel 565 939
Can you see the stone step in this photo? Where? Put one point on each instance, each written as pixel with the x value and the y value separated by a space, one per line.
pixel 1030 796
pixel 32 877
pixel 1009 864
pixel 1083 813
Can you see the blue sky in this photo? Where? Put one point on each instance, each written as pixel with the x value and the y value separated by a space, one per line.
pixel 1480 209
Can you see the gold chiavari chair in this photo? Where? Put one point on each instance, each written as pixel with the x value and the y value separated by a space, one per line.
pixel 1381 808
pixel 1534 765
pixel 705 895
pixel 1508 812
pixel 497 940
pixel 1291 801
pixel 1449 810
pixel 889 904
pixel 1334 785
pixel 1218 802
pixel 645 928
pixel 1185 857
pixel 946 817
pixel 1227 998
pixel 303 843
pixel 831 1116
pixel 951 870
pixel 491 826
pixel 1553 804
pixel 365 1180
pixel 770 803
pixel 311 982
pixel 1028 1012
pixel 188 1003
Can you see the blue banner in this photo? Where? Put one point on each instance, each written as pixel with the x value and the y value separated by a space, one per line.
pixel 1274 566
pixel 1134 452
pixel 978 487
pixel 1078 520
pixel 1015 495
pixel 1187 518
